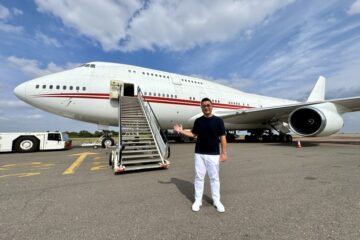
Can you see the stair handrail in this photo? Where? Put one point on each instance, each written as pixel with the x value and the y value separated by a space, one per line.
pixel 161 143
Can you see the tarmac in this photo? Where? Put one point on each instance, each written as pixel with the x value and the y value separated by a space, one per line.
pixel 269 190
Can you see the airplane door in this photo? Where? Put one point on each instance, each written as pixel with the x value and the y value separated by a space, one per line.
pixel 177 84
pixel 119 88
pixel 128 89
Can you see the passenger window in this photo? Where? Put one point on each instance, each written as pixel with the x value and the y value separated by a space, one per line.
pixel 84 88
pixel 37 86
pixel 51 86
pixel 71 87
pixel 57 87
pixel 78 88
pixel 44 86
pixel 64 87
pixel 167 95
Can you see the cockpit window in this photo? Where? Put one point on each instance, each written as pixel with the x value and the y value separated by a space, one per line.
pixel 88 65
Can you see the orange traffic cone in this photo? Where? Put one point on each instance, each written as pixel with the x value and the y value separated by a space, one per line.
pixel 298 145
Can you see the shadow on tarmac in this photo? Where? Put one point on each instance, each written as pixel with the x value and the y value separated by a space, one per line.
pixel 186 188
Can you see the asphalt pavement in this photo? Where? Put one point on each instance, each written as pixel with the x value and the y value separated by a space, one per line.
pixel 269 190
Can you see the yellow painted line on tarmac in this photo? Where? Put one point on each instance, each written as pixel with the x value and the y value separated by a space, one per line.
pixel 20 175
pixel 6 167
pixel 77 162
pixel 99 167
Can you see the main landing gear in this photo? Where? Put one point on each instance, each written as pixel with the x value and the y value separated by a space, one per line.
pixel 268 136
pixel 103 141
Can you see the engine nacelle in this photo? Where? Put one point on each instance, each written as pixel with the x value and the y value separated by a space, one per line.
pixel 316 120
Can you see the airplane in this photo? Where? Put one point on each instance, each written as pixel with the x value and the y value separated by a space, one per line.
pixel 83 94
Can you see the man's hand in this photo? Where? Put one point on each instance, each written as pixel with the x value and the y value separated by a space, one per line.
pixel 178 128
pixel 223 157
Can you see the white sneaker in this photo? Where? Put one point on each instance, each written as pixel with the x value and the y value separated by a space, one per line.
pixel 196 206
pixel 219 206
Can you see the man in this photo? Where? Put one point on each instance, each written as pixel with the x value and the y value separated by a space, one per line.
pixel 209 131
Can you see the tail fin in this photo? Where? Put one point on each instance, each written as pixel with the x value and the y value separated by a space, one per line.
pixel 318 92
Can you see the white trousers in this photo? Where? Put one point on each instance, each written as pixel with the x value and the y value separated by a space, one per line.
pixel 209 163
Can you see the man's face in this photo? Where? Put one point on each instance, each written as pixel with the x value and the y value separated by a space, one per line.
pixel 206 107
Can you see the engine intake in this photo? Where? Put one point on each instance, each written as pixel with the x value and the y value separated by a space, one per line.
pixel 317 120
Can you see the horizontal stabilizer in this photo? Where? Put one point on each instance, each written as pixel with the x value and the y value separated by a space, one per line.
pixel 318 92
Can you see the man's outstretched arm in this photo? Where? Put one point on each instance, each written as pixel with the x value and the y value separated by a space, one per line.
pixel 179 129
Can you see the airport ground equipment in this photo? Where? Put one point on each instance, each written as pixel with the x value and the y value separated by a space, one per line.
pixel 103 141
pixel 34 141
pixel 141 143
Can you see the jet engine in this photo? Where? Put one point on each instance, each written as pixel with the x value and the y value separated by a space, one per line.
pixel 316 120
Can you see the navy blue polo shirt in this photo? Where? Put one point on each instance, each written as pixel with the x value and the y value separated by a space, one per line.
pixel 208 131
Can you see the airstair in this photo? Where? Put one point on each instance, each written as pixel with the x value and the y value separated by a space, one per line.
pixel 141 143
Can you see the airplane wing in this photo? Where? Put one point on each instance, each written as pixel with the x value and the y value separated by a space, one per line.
pixel 268 114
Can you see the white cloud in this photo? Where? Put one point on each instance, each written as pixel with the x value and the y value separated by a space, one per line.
pixel 103 21
pixel 311 52
pixel 16 11
pixel 47 40
pixel 355 8
pixel 185 24
pixel 173 25
pixel 12 104
pixel 10 28
pixel 34 116
pixel 4 12
pixel 32 68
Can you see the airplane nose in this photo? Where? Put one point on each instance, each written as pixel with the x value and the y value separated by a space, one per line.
pixel 20 91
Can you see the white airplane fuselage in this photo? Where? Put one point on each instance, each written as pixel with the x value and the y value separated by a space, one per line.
pixel 82 93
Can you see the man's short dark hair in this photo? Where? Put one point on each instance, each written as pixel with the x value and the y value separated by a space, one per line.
pixel 206 100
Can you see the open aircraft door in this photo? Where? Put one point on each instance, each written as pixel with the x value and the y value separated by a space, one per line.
pixel 120 88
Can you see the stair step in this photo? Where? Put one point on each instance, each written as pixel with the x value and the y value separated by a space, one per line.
pixel 127 157
pixel 132 117
pixel 140 147
pixel 139 167
pixel 135 138
pixel 135 129
pixel 125 162
pixel 139 143
pixel 133 121
pixel 138 151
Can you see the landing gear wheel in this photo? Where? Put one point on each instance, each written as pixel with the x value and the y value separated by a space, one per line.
pixel 289 138
pixel 107 142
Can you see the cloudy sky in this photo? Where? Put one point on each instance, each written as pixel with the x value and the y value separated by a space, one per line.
pixel 272 47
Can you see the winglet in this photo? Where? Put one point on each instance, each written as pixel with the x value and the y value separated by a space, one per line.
pixel 318 92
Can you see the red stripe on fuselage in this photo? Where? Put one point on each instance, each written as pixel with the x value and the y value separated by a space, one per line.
pixel 146 98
